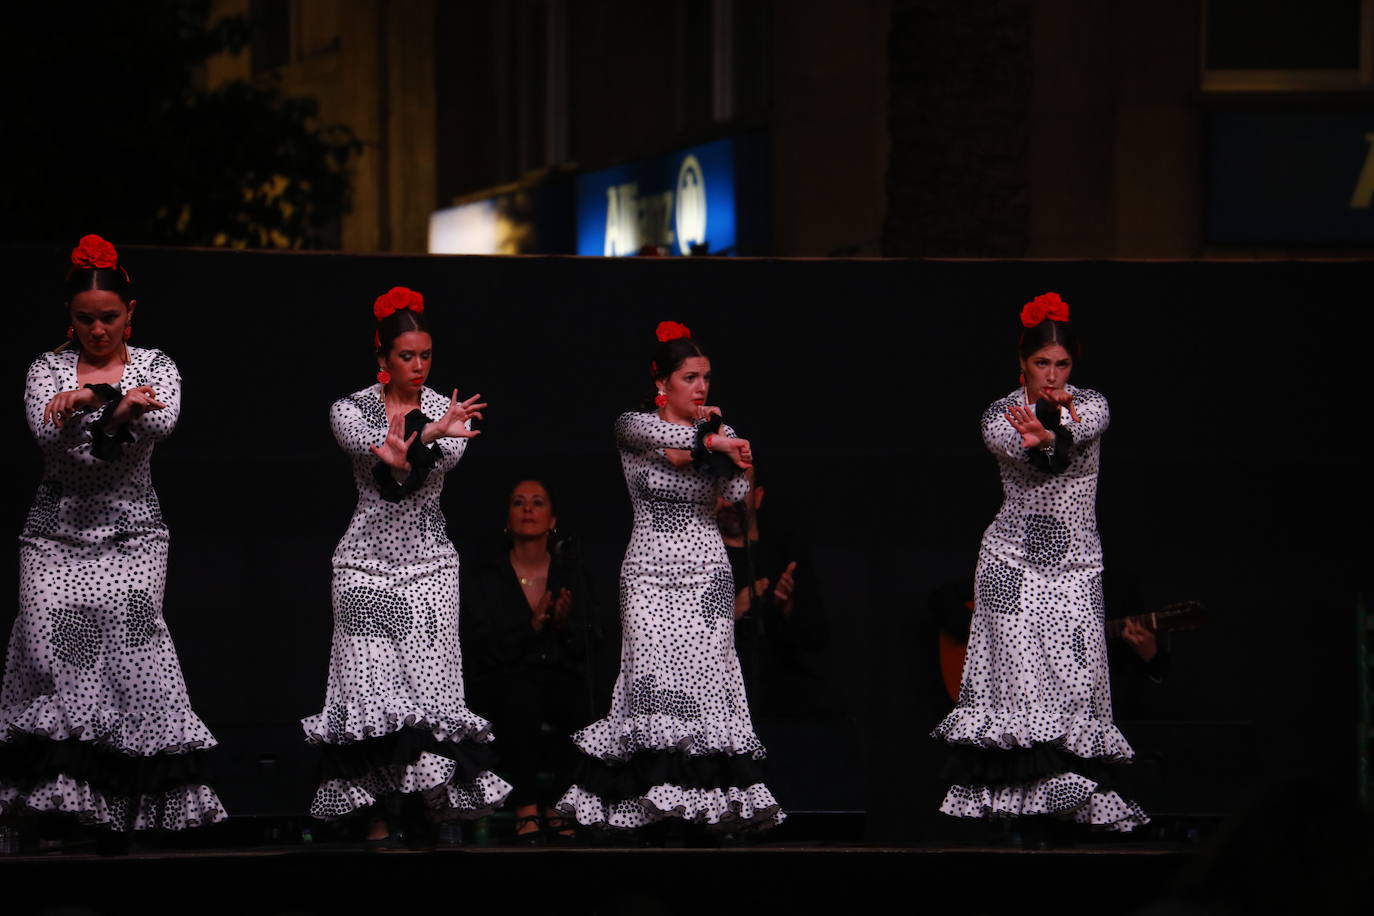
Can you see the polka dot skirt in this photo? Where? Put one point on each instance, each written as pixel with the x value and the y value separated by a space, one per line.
pixel 395 662
pixel 680 693
pixel 1036 669
pixel 90 659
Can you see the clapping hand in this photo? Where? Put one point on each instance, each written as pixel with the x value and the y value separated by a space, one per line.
pixel 562 605
pixel 392 451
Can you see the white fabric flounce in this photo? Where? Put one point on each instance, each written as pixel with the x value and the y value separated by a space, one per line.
pixel 430 775
pixel 1082 736
pixel 177 809
pixel 378 716
pixel 723 808
pixel 1067 795
pixel 136 734
pixel 616 738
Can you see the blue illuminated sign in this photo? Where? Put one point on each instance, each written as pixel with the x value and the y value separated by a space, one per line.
pixel 675 203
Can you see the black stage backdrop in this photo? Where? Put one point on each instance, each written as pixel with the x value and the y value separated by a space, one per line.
pixel 1229 476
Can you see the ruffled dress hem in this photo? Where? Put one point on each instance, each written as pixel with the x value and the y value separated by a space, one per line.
pixel 135 734
pixel 653 732
pixel 721 791
pixel 176 809
pixel 378 747
pixel 986 727
pixel 726 808
pixel 1068 796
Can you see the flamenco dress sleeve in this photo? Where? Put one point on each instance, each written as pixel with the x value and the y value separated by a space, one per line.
pixel 646 432
pixel 108 440
pixel 423 459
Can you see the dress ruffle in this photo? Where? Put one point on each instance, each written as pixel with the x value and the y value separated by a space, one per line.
pixel 141 734
pixel 718 790
pixel 620 738
pixel 430 775
pixel 1067 795
pixel 1081 736
pixel 381 746
pixel 375 717
pixel 175 809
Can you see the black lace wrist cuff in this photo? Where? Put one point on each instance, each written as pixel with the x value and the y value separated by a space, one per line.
pixel 714 463
pixel 107 446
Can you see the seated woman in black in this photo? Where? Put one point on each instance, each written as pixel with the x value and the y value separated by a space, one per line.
pixel 525 641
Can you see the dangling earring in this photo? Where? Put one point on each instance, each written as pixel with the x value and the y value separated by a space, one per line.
pixel 384 377
pixel 661 400
pixel 71 332
pixel 1023 380
pixel 128 329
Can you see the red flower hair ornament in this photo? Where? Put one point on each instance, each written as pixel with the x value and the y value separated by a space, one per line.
pixel 94 253
pixel 1045 305
pixel 671 330
pixel 396 299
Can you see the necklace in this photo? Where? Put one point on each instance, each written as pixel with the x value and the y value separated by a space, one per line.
pixel 529 577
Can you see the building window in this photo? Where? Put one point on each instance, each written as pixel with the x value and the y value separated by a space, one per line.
pixel 1288 45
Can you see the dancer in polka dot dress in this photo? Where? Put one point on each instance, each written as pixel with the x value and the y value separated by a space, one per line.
pixel 678 741
pixel 395 721
pixel 94 717
pixel 1033 730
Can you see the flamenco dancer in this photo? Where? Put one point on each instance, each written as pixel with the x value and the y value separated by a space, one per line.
pixel 94 717
pixel 1032 731
pixel 395 724
pixel 678 741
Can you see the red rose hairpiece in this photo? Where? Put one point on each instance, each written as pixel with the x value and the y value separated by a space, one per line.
pixel 396 299
pixel 94 253
pixel 1045 305
pixel 671 330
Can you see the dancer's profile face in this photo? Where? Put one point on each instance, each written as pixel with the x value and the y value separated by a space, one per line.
pixel 1047 369
pixel 409 360
pixel 531 511
pixel 688 387
pixel 99 318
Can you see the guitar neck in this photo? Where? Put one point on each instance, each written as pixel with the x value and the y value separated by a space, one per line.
pixel 1185 615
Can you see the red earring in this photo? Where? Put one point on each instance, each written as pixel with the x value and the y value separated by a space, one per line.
pixel 661 400
pixel 384 377
pixel 1023 380
pixel 71 332
pixel 128 329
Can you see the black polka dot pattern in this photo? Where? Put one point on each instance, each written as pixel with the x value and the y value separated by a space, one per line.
pixel 999 588
pixel 371 612
pixel 75 637
pixel 1036 668
pixel 645 700
pixel 680 688
pixel 89 658
pixel 395 661
pixel 142 626
pixel 1047 540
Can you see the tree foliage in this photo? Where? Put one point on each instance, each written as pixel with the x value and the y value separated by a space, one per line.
pixel 108 130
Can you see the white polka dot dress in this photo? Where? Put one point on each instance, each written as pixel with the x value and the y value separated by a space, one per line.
pixel 678 741
pixel 395 717
pixel 94 717
pixel 1033 726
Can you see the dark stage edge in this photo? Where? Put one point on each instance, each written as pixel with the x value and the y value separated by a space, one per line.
pixel 760 874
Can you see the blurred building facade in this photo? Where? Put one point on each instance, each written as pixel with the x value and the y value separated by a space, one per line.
pixel 1002 128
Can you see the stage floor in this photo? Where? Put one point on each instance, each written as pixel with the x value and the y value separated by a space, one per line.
pixel 336 877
